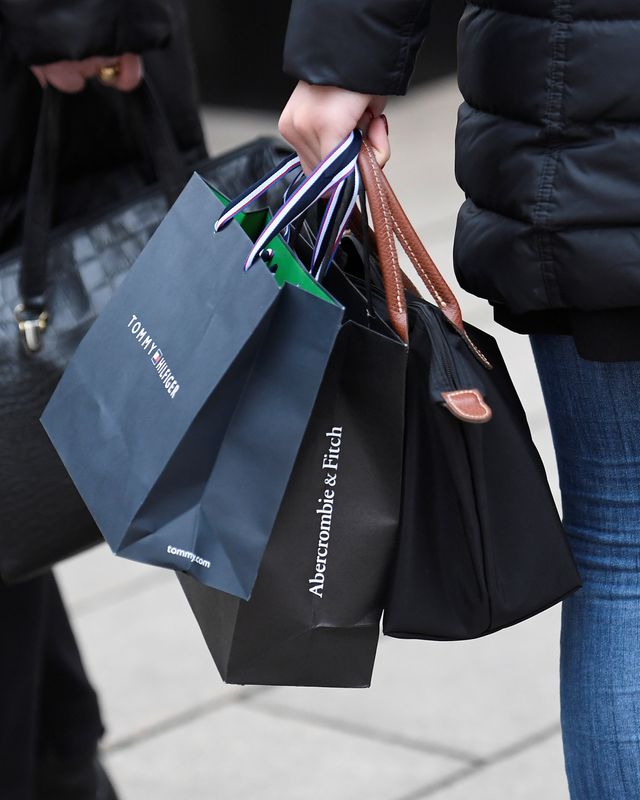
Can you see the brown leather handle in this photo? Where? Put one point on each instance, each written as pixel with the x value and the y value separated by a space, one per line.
pixel 356 225
pixel 390 221
pixel 385 242
pixel 424 265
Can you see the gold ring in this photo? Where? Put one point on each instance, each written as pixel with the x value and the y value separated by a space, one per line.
pixel 110 73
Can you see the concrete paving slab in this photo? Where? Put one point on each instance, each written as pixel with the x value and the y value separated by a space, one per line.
pixel 148 660
pixel 537 772
pixel 472 698
pixel 239 753
pixel 97 577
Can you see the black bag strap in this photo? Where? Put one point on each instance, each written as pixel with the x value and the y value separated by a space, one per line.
pixel 156 141
pixel 39 203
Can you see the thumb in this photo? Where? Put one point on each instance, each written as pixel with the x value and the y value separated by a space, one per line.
pixel 378 136
pixel 131 73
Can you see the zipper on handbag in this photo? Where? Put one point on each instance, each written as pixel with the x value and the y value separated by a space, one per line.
pixel 460 394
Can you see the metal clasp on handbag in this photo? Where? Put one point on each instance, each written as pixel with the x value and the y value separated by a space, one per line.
pixel 31 326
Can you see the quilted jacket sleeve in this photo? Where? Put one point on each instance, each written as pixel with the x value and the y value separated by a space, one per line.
pixel 43 31
pixel 367 46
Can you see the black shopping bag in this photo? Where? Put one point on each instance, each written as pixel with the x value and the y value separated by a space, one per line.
pixel 480 543
pixel 181 415
pixel 313 618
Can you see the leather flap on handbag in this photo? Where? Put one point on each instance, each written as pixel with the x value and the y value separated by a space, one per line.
pixel 467 405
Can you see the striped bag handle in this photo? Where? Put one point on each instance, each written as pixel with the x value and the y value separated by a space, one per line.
pixel 334 223
pixel 330 174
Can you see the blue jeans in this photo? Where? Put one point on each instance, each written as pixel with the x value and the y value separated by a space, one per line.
pixel 594 411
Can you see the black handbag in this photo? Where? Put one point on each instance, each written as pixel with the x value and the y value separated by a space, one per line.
pixel 51 290
pixel 480 545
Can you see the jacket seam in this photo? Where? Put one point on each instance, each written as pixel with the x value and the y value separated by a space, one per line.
pixel 507 118
pixel 551 229
pixel 489 7
pixel 598 123
pixel 487 210
pixel 553 124
pixel 403 53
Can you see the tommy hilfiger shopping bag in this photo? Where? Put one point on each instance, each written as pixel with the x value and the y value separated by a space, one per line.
pixel 59 281
pixel 181 415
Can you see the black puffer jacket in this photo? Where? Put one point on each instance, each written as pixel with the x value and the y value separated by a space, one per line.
pixel 98 143
pixel 547 147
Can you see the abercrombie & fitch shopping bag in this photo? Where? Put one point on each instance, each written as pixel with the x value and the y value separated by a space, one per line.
pixel 181 415
pixel 313 618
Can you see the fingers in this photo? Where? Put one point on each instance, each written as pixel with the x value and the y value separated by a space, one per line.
pixel 379 139
pixel 66 76
pixel 313 145
pixel 377 105
pixel 125 74
pixel 317 118
pixel 304 141
pixel 298 126
pixel 128 75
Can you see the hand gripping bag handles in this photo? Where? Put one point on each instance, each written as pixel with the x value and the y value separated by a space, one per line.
pixel 314 616
pixel 180 417
pixel 480 545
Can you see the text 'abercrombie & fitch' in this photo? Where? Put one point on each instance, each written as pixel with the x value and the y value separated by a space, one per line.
pixel 330 464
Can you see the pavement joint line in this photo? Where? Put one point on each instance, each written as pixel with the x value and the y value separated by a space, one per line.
pixel 446 782
pixel 112 595
pixel 185 717
pixel 498 756
pixel 366 732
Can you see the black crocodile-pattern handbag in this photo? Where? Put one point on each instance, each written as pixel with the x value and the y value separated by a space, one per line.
pixel 51 290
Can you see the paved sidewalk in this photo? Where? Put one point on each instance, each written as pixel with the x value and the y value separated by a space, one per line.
pixel 453 721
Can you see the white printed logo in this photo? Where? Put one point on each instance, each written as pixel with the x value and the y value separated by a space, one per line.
pixel 176 551
pixel 157 359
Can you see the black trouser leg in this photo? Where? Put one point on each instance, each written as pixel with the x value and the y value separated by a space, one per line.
pixel 46 702
pixel 70 723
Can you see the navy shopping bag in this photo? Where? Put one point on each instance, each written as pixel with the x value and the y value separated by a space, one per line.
pixel 182 412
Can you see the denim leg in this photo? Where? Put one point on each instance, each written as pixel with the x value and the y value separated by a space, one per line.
pixel 594 412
